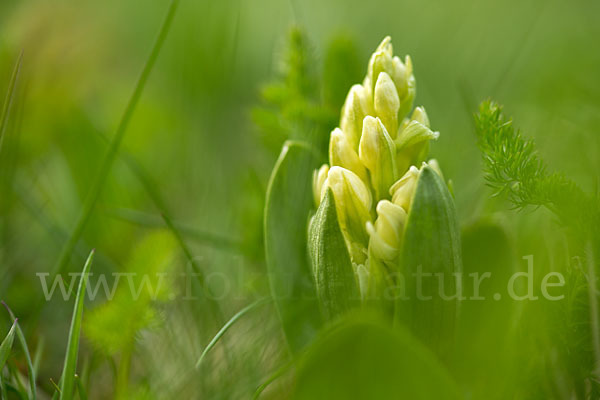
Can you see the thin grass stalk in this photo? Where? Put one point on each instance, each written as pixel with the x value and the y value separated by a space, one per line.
pixel 228 325
pixel 10 94
pixel 23 343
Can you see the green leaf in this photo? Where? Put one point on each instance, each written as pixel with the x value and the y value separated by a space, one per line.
pixel 513 168
pixel 337 288
pixel 67 383
pixel 288 204
pixel 429 259
pixel 363 358
pixel 6 345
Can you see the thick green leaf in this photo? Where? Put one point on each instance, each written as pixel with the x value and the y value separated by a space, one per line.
pixel 288 204
pixel 363 358
pixel 6 345
pixel 67 383
pixel 429 260
pixel 337 288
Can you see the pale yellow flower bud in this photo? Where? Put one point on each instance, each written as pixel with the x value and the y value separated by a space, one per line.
pixel 353 202
pixel 412 143
pixel 406 84
pixel 414 133
pixel 319 177
pixel 399 75
pixel 378 153
pixel 420 115
pixel 356 107
pixel 387 103
pixel 386 233
pixel 342 154
pixel 402 191
pixel 385 46
pixel 381 61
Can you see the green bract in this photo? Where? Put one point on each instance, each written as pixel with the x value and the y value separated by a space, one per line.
pixel 337 287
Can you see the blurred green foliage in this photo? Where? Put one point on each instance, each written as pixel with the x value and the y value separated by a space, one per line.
pixel 208 136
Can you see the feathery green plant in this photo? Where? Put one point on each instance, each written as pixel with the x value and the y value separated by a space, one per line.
pixel 292 109
pixel 135 302
pixel 303 102
pixel 514 169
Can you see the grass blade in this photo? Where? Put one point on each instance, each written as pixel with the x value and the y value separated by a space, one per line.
pixel 107 162
pixel 23 342
pixel 80 388
pixel 274 376
pixel 67 383
pixel 6 345
pixel 3 393
pixel 37 357
pixel 5 348
pixel 56 389
pixel 228 325
pixel 11 388
pixel 10 94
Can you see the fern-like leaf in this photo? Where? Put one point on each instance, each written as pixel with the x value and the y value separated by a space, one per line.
pixel 513 168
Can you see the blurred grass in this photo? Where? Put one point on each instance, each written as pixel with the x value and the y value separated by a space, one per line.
pixel 193 133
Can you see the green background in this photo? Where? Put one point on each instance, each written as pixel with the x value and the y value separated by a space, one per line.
pixel 193 133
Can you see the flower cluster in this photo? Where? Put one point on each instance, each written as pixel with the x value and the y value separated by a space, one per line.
pixel 373 159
